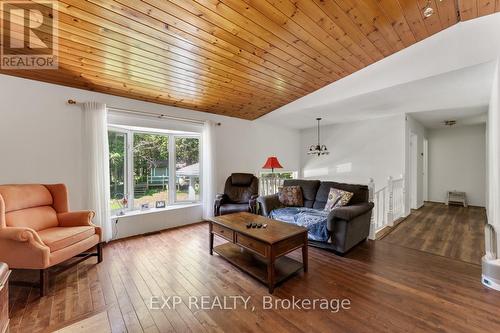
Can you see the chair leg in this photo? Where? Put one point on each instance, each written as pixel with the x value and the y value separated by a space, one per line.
pixel 99 253
pixel 44 282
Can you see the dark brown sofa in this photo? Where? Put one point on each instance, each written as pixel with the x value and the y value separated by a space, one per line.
pixel 347 226
pixel 240 195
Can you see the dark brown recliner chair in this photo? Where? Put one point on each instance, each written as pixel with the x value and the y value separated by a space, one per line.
pixel 240 195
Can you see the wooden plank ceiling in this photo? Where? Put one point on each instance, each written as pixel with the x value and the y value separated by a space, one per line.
pixel 241 58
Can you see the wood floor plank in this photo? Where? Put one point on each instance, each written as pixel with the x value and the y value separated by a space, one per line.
pixel 96 323
pixel 450 231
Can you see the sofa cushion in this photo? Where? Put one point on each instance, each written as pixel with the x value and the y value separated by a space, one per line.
pixel 337 198
pixel 360 193
pixel 313 219
pixel 291 196
pixel 308 187
pixel 58 238
pixel 233 208
pixel 17 197
pixel 37 218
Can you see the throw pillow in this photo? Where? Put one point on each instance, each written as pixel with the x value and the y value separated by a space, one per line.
pixel 291 196
pixel 337 198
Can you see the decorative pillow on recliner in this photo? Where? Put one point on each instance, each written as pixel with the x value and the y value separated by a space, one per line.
pixel 337 198
pixel 291 196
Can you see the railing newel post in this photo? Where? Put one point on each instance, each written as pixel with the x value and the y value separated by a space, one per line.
pixel 390 210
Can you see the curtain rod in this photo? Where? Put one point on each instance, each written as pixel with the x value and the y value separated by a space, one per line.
pixel 145 113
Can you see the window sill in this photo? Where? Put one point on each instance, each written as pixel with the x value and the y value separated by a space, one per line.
pixel 155 210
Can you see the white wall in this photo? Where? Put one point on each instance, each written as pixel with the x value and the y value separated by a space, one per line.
pixel 457 161
pixel 244 146
pixel 358 151
pixel 153 221
pixel 413 126
pixel 40 142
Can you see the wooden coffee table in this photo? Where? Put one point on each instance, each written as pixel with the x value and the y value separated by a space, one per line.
pixel 259 252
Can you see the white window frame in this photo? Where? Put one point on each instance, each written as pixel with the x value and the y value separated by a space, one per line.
pixel 129 162
pixel 126 164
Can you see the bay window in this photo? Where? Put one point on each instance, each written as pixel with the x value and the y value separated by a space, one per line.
pixel 150 168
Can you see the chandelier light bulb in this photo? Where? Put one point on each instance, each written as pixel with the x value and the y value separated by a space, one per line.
pixel 428 12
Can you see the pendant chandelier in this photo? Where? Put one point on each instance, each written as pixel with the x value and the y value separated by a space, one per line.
pixel 318 149
pixel 428 11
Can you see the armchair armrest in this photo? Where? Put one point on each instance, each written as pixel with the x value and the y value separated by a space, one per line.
pixel 22 248
pixel 21 234
pixel 219 200
pixel 220 196
pixel 348 213
pixel 252 203
pixel 268 203
pixel 76 219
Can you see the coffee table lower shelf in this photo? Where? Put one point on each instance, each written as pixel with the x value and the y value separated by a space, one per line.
pixel 257 266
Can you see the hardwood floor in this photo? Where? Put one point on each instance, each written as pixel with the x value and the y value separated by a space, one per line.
pixel 390 288
pixel 450 231
pixel 97 323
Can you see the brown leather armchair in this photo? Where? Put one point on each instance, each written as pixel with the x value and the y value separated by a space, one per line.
pixel 240 195
pixel 38 231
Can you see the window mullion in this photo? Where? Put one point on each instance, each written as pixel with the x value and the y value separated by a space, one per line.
pixel 171 170
pixel 130 170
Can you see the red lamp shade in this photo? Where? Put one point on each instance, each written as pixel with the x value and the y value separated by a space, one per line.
pixel 272 163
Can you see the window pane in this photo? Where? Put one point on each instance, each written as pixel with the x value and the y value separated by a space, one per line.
pixel 117 162
pixel 150 169
pixel 187 169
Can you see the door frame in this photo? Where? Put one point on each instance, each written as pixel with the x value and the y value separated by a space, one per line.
pixel 426 170
pixel 413 170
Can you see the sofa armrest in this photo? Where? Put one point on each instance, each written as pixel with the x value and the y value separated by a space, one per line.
pixel 268 203
pixel 348 213
pixel 76 219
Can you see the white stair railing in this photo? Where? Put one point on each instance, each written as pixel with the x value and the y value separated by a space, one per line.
pixel 388 204
pixel 398 199
pixel 270 185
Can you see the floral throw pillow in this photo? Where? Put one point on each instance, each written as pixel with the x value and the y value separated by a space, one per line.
pixel 291 196
pixel 337 198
